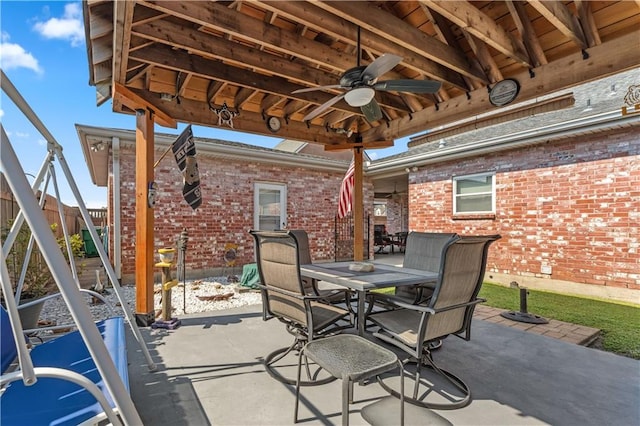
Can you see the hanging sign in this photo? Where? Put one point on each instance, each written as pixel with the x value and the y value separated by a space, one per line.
pixel 504 92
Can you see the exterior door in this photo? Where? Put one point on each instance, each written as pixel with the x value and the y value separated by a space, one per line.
pixel 270 201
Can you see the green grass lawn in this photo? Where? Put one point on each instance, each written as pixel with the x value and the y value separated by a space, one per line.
pixel 620 324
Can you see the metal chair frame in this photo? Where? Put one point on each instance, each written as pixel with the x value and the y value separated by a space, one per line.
pixel 450 319
pixel 304 328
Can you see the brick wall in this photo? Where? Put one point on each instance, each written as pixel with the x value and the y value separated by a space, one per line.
pixel 397 214
pixel 572 206
pixel 226 213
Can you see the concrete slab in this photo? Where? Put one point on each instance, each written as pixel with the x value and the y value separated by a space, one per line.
pixel 211 372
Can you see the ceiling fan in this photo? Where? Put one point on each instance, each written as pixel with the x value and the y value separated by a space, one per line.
pixel 361 83
pixel 395 195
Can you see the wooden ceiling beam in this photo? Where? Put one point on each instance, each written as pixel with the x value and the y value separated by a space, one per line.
pixel 483 55
pixel 181 61
pixel 471 19
pixel 217 17
pixel 242 96
pixel 336 117
pixel 133 101
pixel 561 18
pixel 588 23
pixel 375 20
pixel 132 76
pixel 213 89
pixel 358 145
pixel 293 107
pixel 269 101
pixel 525 28
pixel 199 113
pixel 325 22
pixel 208 46
pixel 604 60
pixel 217 48
pixel 122 20
pixel 445 35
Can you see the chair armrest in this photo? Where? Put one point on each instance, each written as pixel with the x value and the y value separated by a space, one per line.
pixel 460 305
pixel 299 296
pixel 400 304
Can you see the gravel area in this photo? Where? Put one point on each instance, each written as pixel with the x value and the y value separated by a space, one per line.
pixel 203 295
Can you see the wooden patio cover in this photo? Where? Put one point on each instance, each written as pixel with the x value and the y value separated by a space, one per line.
pixel 185 61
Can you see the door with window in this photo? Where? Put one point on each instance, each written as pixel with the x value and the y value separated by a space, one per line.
pixel 270 201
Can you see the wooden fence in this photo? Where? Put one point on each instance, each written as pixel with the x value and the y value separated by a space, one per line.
pixel 73 219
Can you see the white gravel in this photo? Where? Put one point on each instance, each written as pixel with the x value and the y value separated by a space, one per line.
pixel 56 311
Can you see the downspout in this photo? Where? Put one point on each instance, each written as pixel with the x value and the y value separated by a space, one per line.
pixel 117 228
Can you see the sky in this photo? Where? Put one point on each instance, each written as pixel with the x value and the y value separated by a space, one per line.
pixel 43 53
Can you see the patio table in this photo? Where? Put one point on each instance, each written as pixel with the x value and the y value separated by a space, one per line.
pixel 383 276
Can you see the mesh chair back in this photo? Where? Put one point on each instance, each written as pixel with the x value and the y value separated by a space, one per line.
pixel 461 275
pixel 278 262
pixel 423 251
pixel 304 253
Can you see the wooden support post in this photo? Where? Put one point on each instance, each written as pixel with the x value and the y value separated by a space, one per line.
pixel 144 218
pixel 358 206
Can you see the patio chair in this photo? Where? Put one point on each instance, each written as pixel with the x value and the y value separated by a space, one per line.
pixel 423 251
pixel 306 316
pixel 310 285
pixel 449 312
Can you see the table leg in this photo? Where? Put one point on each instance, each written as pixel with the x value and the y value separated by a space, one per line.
pixel 361 310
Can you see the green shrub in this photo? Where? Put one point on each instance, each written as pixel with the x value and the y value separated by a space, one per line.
pixel 38 279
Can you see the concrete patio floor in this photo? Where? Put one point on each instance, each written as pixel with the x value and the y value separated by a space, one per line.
pixel 211 373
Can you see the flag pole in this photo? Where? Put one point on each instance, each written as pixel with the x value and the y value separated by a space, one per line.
pixel 358 206
pixel 163 155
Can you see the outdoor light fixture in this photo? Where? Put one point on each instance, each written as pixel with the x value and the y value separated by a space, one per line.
pixel 98 146
pixel 360 96
pixel 588 107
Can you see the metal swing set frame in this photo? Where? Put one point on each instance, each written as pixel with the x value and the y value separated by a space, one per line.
pixel 64 274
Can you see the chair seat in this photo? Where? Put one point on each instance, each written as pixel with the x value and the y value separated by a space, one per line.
pixel 348 356
pixel 325 315
pixel 401 323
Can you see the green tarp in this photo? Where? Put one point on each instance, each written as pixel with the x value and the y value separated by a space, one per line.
pixel 250 277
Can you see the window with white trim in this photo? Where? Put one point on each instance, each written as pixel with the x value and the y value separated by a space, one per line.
pixel 474 194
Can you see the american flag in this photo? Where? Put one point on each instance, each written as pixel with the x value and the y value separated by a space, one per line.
pixel 346 192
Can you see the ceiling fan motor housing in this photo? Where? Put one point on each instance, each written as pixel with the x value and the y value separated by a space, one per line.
pixel 352 77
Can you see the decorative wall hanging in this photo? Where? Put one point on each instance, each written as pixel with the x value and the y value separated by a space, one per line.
pixel 225 115
pixel 504 92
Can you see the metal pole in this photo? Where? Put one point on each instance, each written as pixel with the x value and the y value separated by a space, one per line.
pixel 111 273
pixel 62 275
pixel 182 265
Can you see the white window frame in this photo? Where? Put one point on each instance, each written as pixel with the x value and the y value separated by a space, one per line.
pixel 256 202
pixel 455 180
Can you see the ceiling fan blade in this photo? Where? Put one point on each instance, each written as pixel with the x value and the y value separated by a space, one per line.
pixel 311 89
pixel 380 66
pixel 413 86
pixel 371 111
pixel 322 108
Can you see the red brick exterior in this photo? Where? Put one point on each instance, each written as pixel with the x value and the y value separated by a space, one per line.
pixel 572 205
pixel 227 212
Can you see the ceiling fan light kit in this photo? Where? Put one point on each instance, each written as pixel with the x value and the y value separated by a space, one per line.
pixel 360 96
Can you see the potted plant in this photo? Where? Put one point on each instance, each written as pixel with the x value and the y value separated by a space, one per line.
pixel 38 280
